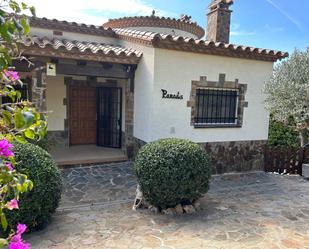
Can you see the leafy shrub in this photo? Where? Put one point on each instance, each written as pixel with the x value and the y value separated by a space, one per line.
pixel 172 171
pixel 43 143
pixel 282 135
pixel 36 206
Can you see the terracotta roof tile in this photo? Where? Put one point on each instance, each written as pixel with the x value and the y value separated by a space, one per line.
pixel 80 47
pixel 149 38
pixel 144 35
pixel 201 46
pixel 184 23
pixel 92 47
pixel 70 26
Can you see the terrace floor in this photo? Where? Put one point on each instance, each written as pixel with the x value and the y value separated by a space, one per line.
pixel 86 154
pixel 254 211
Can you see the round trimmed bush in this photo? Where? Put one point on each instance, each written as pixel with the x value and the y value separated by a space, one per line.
pixel 37 205
pixel 172 171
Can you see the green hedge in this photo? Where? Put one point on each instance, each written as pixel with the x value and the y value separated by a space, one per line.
pixel 44 143
pixel 172 171
pixel 282 135
pixel 36 206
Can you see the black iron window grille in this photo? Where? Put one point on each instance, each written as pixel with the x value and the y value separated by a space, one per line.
pixel 216 107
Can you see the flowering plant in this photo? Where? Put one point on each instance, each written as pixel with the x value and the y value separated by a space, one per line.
pixel 16 239
pixel 11 183
pixel 19 120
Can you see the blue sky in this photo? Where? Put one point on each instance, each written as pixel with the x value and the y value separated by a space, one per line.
pixel 275 24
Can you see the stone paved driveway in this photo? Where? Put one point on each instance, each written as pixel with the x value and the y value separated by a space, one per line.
pixel 86 186
pixel 253 211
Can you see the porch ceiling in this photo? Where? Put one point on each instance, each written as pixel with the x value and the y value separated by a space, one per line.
pixel 80 50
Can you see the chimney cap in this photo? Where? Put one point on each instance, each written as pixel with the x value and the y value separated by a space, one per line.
pixel 220 4
pixel 219 21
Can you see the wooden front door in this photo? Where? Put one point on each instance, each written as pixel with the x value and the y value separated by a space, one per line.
pixel 83 113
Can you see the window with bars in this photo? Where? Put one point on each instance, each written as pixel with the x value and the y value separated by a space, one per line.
pixel 216 107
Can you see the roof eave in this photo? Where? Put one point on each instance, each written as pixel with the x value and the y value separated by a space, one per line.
pixel 74 27
pixel 186 44
pixel 218 51
pixel 156 21
pixel 77 55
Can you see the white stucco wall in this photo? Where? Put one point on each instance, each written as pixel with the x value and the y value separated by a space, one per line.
pixel 143 91
pixel 55 93
pixel 174 72
pixel 170 31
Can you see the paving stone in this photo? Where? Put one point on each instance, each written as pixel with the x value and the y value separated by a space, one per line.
pixel 255 210
pixel 81 185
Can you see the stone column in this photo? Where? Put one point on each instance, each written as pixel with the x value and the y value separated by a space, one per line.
pixel 38 76
pixel 129 118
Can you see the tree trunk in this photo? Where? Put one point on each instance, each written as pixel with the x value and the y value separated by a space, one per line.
pixel 303 137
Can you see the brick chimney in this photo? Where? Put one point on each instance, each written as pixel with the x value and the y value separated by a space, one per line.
pixel 219 21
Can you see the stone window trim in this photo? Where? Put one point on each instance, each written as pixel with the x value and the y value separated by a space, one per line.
pixel 203 83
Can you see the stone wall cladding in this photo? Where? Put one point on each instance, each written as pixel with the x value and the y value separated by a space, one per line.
pixel 227 157
pixel 219 21
pixel 221 84
pixel 38 91
pixel 237 156
pixel 58 138
pixel 219 26
pixel 129 120
pixel 138 143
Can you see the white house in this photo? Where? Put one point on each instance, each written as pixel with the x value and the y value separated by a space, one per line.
pixel 134 80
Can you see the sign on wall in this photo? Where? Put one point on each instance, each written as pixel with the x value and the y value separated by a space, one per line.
pixel 167 95
pixel 50 69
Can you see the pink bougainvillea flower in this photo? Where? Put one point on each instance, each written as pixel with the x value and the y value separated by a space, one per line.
pixel 12 75
pixel 6 148
pixel 10 166
pixel 16 241
pixel 13 204
pixel 19 245
pixel 21 228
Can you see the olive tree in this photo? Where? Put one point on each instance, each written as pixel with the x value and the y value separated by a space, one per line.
pixel 287 93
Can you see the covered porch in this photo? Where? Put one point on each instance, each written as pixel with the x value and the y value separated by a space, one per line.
pixel 87 92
